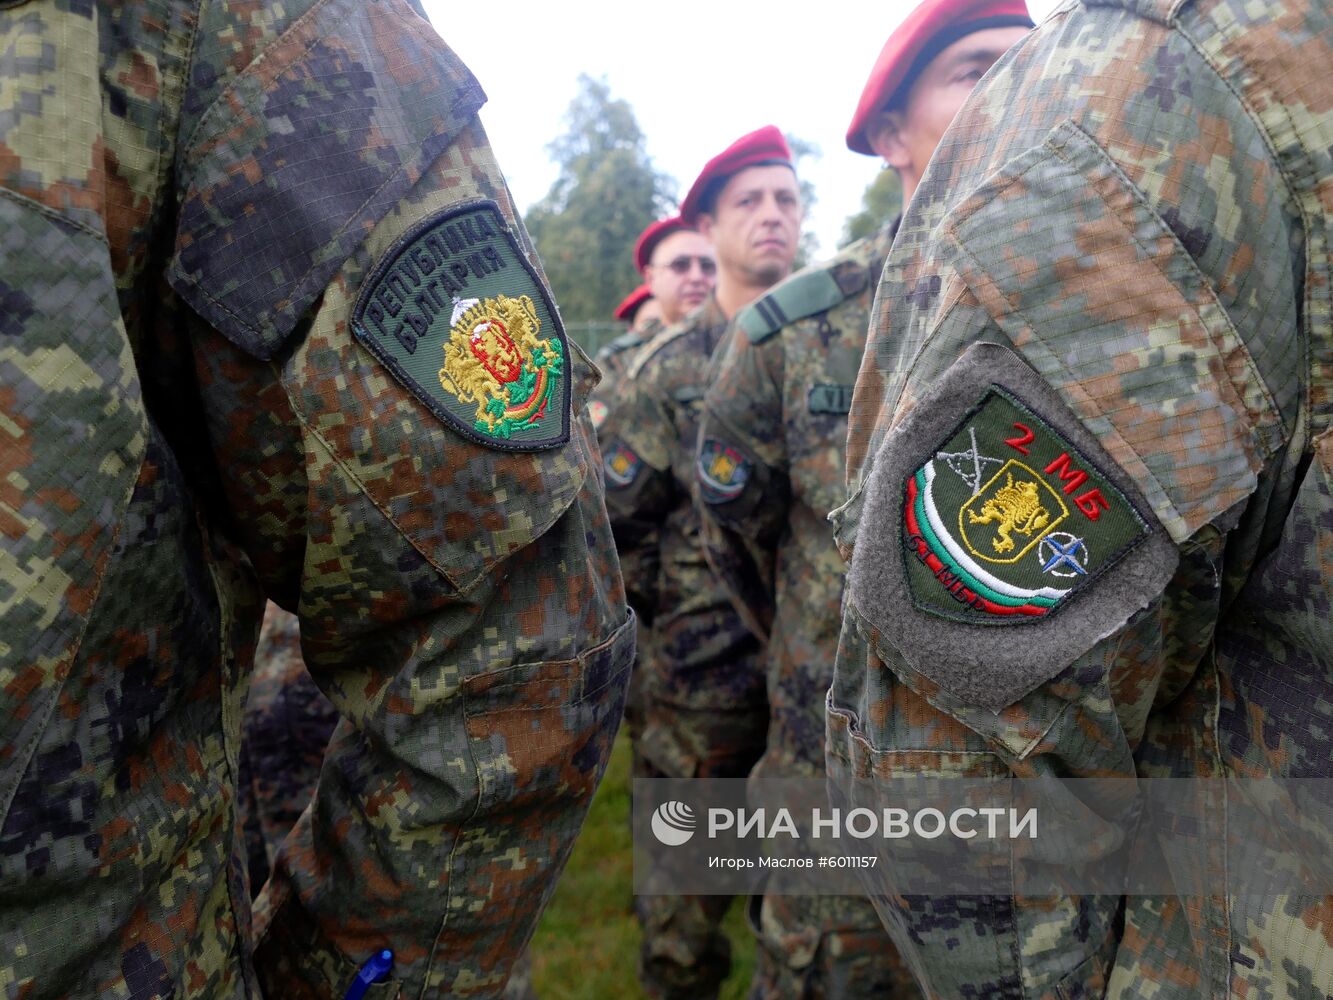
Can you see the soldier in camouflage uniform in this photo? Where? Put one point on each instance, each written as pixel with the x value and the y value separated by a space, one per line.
pixel 679 271
pixel 772 450
pixel 705 715
pixel 234 366
pixel 288 722
pixel 1114 283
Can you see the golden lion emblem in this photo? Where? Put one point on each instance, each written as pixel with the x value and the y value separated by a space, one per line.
pixel 1017 508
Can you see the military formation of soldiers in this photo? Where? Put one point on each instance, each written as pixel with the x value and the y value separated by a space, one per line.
pixel 276 350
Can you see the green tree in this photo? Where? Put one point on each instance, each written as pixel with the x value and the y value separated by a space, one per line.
pixel 882 200
pixel 607 192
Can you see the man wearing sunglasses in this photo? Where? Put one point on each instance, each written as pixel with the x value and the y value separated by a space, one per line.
pixel 705 713
pixel 678 265
pixel 769 469
pixel 679 270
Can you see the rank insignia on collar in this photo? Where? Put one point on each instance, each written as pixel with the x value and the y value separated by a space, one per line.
pixel 722 472
pixel 1007 519
pixel 456 312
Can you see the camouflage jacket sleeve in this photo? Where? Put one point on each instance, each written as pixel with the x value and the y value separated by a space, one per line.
pixel 640 561
pixel 403 454
pixel 637 439
pixel 1077 427
pixel 742 489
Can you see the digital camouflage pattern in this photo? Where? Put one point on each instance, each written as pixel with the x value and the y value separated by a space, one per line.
pixel 703 694
pixel 642 563
pixel 288 722
pixel 190 425
pixel 613 359
pixel 777 401
pixel 772 543
pixel 704 658
pixel 1133 209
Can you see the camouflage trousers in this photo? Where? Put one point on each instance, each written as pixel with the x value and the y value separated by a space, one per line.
pixel 824 948
pixel 685 955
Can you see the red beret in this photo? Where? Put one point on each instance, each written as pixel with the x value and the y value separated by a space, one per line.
pixel 653 235
pixel 760 148
pixel 631 303
pixel 928 30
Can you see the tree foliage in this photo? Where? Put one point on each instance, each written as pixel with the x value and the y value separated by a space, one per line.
pixel 607 192
pixel 802 149
pixel 882 200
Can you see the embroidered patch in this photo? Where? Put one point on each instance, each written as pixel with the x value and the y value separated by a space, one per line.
pixel 598 411
pixel 621 464
pixel 456 312
pixel 1008 519
pixel 722 471
pixel 834 399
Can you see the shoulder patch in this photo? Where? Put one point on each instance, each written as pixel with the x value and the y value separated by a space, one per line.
pixel 1007 541
pixel 1008 518
pixel 621 465
pixel 461 319
pixel 803 294
pixel 722 472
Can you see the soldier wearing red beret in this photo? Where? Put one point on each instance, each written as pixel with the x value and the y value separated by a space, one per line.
pixel 770 469
pixel 924 73
pixel 705 710
pixel 747 202
pixel 678 266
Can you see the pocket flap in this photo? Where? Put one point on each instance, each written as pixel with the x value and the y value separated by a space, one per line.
pixel 296 161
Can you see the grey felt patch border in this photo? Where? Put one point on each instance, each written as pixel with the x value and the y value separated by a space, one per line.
pixel 978 662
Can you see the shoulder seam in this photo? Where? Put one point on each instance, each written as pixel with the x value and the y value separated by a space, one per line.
pixel 648 350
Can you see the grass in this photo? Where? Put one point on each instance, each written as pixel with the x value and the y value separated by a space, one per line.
pixel 587 944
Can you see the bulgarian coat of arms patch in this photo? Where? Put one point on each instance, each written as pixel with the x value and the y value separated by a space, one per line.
pixel 456 312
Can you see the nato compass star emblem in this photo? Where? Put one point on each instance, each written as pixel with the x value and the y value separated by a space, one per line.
pixel 1062 554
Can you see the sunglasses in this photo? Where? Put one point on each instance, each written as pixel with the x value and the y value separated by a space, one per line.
pixel 681 265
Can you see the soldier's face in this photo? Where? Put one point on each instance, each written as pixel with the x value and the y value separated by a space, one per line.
pixel 907 138
pixel 756 223
pixel 680 273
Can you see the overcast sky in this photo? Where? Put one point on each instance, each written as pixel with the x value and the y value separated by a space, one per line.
pixel 698 75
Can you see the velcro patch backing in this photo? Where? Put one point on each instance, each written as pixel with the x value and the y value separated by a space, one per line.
pixel 998 540
pixel 456 312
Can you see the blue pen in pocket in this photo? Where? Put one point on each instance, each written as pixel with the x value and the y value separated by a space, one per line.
pixel 375 970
